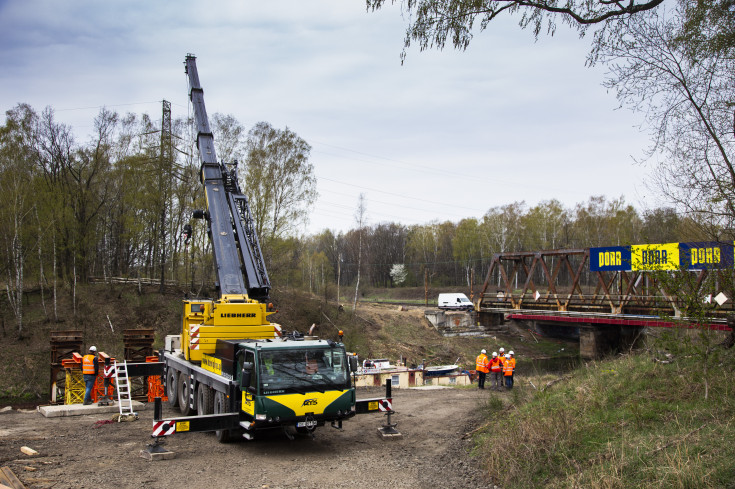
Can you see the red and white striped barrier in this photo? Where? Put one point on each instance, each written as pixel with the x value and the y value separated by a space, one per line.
pixel 109 371
pixel 194 337
pixel 163 428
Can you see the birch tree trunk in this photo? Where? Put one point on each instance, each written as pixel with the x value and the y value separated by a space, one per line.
pixel 360 217
pixel 56 314
pixel 40 263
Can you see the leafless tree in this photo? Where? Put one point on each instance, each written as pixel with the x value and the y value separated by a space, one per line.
pixel 688 105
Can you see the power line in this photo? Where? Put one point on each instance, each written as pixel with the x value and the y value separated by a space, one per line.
pixel 427 169
pixel 105 106
pixel 443 204
pixel 371 200
pixel 390 160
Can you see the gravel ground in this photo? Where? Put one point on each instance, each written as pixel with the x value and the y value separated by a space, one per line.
pixel 85 452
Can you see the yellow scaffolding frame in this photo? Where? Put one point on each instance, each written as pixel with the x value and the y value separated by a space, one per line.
pixel 74 387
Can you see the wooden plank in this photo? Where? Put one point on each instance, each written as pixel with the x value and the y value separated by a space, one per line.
pixel 8 478
pixel 28 451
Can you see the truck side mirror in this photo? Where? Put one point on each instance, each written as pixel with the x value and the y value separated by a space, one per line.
pixel 247 372
pixel 353 363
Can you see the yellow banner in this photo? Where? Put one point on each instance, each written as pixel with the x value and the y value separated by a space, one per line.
pixel 213 364
pixel 655 256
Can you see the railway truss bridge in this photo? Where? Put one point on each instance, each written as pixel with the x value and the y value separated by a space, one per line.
pixel 609 308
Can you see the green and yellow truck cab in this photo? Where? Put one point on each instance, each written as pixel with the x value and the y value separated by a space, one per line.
pixel 286 383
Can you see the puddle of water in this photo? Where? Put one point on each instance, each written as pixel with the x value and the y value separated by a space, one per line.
pixel 554 365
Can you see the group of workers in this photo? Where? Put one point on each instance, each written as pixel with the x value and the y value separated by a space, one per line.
pixel 501 366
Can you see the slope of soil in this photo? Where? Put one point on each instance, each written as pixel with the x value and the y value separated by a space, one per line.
pixel 102 312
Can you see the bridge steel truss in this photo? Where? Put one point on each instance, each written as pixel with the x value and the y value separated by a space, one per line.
pixel 560 283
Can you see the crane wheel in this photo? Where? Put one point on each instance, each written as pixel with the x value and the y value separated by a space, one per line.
pixel 219 407
pixel 205 399
pixel 182 386
pixel 171 387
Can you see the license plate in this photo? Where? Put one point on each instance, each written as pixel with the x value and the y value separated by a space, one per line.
pixel 306 424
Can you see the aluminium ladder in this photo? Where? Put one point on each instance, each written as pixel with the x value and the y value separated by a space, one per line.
pixel 124 399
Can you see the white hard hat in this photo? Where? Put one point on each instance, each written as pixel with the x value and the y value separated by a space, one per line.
pixel 495 354
pixel 507 356
pixel 511 353
pixel 483 351
pixel 502 349
pixel 92 348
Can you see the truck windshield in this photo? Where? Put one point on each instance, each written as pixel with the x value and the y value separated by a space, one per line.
pixel 302 370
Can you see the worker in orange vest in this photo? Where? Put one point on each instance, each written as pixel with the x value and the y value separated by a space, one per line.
pixel 90 369
pixel 496 367
pixel 481 366
pixel 508 368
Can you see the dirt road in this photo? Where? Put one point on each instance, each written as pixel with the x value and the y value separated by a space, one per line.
pixel 81 452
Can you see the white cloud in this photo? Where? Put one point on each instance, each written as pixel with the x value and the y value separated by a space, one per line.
pixel 448 135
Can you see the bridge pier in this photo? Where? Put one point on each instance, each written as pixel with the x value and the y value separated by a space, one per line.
pixel 597 341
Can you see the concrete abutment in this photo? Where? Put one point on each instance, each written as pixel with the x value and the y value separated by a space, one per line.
pixel 597 341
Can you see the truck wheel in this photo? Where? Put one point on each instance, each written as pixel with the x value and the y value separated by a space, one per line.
pixel 183 387
pixel 205 399
pixel 220 407
pixel 171 384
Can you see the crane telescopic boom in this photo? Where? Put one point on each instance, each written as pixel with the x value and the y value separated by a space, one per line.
pixel 238 258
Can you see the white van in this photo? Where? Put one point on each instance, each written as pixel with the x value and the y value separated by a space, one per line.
pixel 455 301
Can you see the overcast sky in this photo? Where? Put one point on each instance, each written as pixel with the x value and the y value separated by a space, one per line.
pixel 446 136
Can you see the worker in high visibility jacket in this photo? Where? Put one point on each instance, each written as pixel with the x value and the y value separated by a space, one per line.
pixel 508 368
pixel 496 369
pixel 481 366
pixel 90 369
pixel 501 356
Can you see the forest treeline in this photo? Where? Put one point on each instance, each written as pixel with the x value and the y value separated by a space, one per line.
pixel 116 206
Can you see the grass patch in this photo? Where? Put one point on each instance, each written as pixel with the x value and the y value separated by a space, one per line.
pixel 621 423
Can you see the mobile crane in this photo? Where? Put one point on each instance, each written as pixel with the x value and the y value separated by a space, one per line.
pixel 230 365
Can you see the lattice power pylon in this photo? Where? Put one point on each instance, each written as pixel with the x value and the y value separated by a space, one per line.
pixel 165 176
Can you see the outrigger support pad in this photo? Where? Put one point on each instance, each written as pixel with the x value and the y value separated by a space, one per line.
pixel 155 450
pixel 388 430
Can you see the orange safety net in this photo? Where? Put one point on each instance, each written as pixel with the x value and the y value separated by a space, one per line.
pixel 155 387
